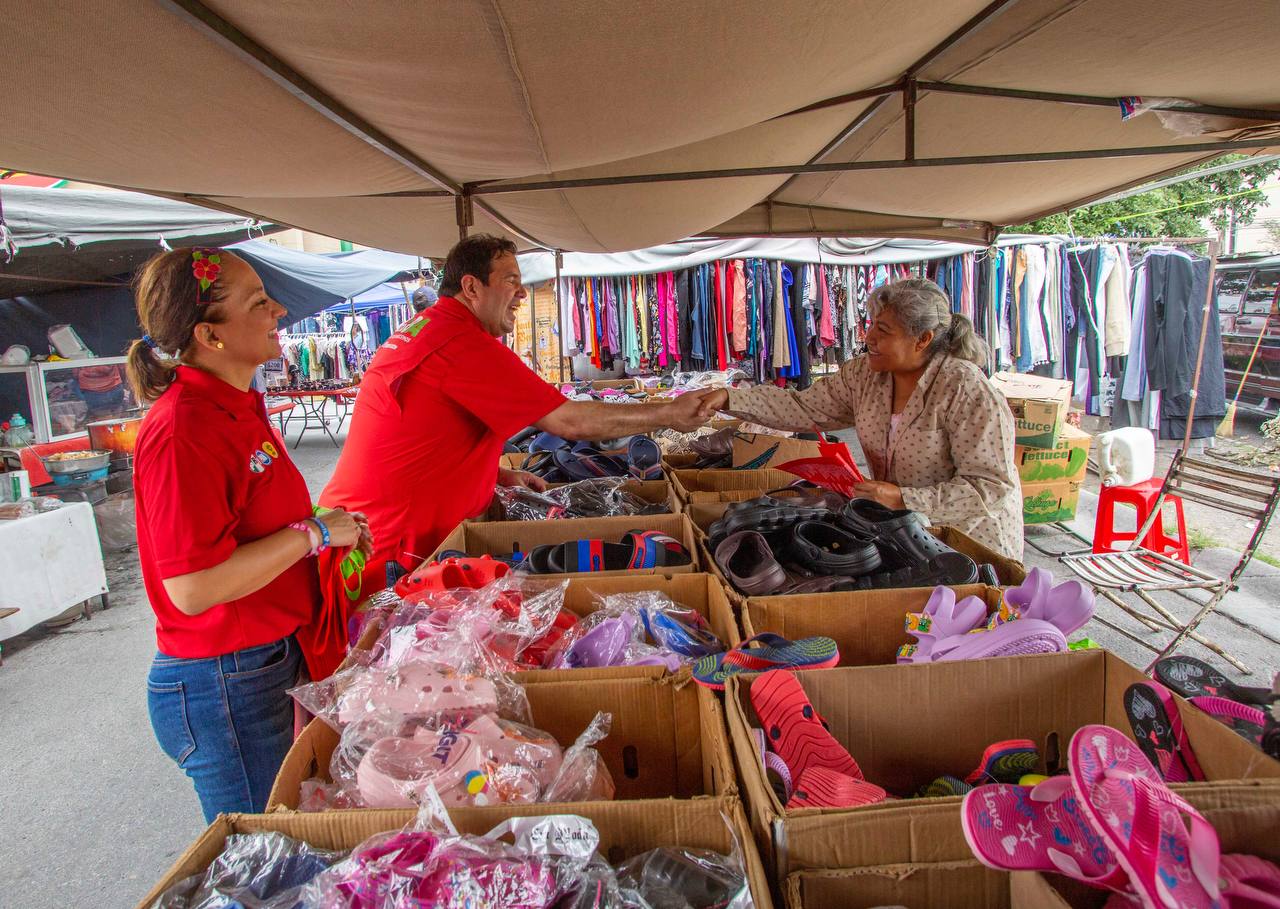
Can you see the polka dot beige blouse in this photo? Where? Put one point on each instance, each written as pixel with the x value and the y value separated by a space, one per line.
pixel 952 453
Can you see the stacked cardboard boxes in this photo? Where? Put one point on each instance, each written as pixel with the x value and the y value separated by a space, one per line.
pixel 1050 453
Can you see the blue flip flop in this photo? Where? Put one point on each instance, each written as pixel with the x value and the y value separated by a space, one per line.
pixel 679 637
pixel 774 652
pixel 644 458
pixel 588 465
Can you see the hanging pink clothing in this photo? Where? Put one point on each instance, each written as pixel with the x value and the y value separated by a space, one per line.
pixel 671 317
pixel 826 328
pixel 739 309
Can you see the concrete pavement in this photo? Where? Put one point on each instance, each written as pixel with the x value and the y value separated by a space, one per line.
pixel 93 813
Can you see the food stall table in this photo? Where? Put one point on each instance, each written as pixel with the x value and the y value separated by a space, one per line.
pixel 312 404
pixel 49 562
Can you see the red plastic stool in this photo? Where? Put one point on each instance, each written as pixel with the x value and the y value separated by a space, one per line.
pixel 1142 496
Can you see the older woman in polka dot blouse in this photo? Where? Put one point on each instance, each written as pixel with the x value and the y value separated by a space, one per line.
pixel 938 437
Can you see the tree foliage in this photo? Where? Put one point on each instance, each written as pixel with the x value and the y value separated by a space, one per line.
pixel 1179 210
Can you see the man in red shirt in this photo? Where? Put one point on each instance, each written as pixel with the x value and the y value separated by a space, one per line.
pixel 440 399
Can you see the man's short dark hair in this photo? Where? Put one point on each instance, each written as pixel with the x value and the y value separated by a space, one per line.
pixel 473 256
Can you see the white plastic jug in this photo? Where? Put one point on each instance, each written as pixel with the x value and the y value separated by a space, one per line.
pixel 1126 456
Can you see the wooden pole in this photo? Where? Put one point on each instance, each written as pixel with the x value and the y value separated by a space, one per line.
pixel 1204 331
pixel 560 327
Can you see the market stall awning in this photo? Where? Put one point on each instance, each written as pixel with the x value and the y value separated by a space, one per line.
pixel 59 238
pixel 600 127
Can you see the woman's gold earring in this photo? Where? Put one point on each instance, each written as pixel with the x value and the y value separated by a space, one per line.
pixel 219 345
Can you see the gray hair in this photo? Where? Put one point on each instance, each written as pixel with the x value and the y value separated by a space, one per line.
pixel 922 306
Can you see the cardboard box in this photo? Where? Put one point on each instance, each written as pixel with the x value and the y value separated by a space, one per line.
pixel 907 725
pixel 731 485
pixel 626 829
pixel 867 625
pixel 504 537
pixel 935 885
pixel 1249 831
pixel 623 384
pixel 667 738
pixel 757 450
pixel 1045 503
pixel 1067 460
pixel 1039 406
pixel 655 492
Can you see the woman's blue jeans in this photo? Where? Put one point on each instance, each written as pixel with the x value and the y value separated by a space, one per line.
pixel 227 721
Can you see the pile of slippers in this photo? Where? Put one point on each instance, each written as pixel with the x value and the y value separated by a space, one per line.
pixel 808 540
pixel 1112 823
pixel 1251 713
pixel 604 497
pixel 557 460
pixel 638 549
pixel 1034 617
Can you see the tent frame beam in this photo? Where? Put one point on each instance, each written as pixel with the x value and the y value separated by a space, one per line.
pixel 496 187
pixel 266 63
pixel 903 86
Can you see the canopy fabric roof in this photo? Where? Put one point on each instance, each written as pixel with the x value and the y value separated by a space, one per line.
pixel 62 237
pixel 295 113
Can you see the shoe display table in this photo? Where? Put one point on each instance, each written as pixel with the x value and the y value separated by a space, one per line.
pixel 49 563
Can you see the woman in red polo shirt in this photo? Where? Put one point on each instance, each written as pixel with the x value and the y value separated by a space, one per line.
pixel 226 536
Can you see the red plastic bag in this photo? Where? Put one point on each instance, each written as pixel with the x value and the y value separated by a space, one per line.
pixel 834 469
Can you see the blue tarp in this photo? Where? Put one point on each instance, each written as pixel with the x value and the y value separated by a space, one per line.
pixel 380 297
pixel 306 283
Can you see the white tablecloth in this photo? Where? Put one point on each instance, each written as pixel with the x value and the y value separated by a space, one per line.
pixel 48 563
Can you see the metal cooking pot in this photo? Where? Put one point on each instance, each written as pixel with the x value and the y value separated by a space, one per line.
pixel 76 461
pixel 117 436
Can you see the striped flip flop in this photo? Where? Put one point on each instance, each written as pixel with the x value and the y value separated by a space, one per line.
pixel 770 651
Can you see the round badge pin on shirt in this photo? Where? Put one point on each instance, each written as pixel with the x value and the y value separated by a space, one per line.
pixel 262 458
pixel 254 465
pixel 270 449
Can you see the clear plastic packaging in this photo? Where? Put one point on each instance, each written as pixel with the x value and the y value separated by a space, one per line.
pixel 645 628
pixel 421 868
pixel 674 878
pixel 254 871
pixel 389 761
pixel 598 498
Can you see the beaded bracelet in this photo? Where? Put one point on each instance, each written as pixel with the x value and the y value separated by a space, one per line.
pixel 313 535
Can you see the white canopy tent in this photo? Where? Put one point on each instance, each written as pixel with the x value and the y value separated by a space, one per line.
pixel 602 126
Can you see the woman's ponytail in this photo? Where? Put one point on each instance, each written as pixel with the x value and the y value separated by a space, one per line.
pixel 963 342
pixel 168 297
pixel 148 374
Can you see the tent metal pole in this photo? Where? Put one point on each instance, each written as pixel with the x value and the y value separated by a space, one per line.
pixel 1239 113
pixel 495 187
pixel 975 22
pixel 464 214
pixel 559 312
pixel 909 123
pixel 533 327
pixel 1204 332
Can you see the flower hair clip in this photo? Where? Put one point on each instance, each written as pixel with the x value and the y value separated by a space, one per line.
pixel 205 266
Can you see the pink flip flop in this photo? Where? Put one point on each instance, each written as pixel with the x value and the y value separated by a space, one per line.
pixel 1250 882
pixel 1121 795
pixel 1157 727
pixel 1040 828
pixel 1242 719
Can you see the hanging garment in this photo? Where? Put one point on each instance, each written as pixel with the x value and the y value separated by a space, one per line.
pixel 783 338
pixel 1117 327
pixel 737 276
pixel 801 360
pixel 826 326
